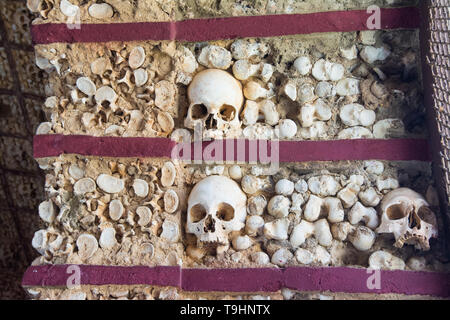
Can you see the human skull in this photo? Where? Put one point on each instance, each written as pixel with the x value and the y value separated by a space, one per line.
pixel 215 100
pixel 406 214
pixel 216 207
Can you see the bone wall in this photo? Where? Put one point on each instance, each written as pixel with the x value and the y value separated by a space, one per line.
pixel 143 220
pixel 287 91
pixel 168 293
pixel 157 10
pixel 148 212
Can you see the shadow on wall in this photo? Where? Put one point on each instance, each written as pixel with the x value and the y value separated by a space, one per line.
pixel 21 181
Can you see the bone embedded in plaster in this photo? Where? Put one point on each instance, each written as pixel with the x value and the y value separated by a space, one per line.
pixel 406 214
pixel 214 94
pixel 216 207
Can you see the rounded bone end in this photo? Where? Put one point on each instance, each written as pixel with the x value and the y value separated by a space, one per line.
pixel 108 238
pixel 47 211
pixel 282 257
pixel 242 243
pixel 87 245
pixel 360 213
pixel 362 238
pixel 260 258
pixel 384 260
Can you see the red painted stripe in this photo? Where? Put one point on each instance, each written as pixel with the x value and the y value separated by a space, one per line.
pixel 364 149
pixel 346 280
pixel 226 28
pixel 232 280
pixel 289 151
pixel 62 275
pixel 55 145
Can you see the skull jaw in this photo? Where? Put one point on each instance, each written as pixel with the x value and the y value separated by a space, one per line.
pixel 420 242
pixel 404 235
pixel 420 238
pixel 418 224
pixel 212 239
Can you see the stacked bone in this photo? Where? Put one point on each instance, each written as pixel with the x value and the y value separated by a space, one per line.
pixel 160 212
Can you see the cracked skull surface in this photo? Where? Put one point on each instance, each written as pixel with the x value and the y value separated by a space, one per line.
pixel 216 207
pixel 215 100
pixel 407 215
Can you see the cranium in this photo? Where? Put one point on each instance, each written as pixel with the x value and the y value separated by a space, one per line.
pixel 406 214
pixel 215 100
pixel 216 207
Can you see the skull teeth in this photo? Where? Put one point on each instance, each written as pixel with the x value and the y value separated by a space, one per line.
pixel 212 241
pixel 421 242
pixel 213 214
pixel 407 215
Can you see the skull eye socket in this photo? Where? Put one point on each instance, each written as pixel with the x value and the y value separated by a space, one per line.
pixel 396 212
pixel 198 213
pixel 227 112
pixel 199 111
pixel 225 212
pixel 426 215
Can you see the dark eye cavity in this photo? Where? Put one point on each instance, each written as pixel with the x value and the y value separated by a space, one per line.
pixel 198 213
pixel 199 111
pixel 396 212
pixel 227 112
pixel 225 212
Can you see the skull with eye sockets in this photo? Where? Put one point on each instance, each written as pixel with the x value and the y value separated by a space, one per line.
pixel 216 207
pixel 406 214
pixel 216 100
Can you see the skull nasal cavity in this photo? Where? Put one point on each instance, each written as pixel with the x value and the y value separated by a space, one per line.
pixel 198 212
pixel 225 212
pixel 210 122
pixel 210 224
pixel 199 111
pixel 227 112
pixel 396 212
pixel 413 221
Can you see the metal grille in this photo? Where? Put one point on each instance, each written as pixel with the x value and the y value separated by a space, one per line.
pixel 439 60
pixel 21 181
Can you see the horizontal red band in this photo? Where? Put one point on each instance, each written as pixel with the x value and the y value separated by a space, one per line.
pixel 345 280
pixel 234 150
pixel 55 145
pixel 226 28
pixel 60 275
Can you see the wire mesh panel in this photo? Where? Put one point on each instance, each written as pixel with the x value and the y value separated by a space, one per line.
pixel 21 181
pixel 439 11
